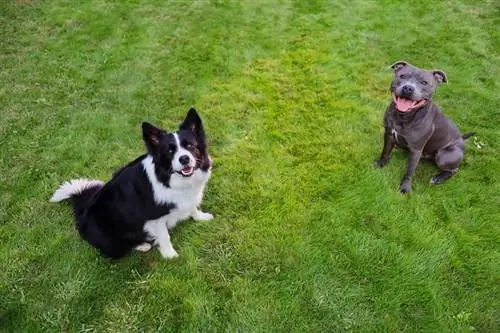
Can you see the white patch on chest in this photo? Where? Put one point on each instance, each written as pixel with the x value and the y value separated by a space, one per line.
pixel 395 134
pixel 185 193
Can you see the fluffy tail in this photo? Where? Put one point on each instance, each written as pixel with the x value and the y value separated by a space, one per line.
pixel 79 190
pixel 467 135
pixel 75 187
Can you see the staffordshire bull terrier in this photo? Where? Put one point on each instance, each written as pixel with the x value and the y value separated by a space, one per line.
pixel 413 122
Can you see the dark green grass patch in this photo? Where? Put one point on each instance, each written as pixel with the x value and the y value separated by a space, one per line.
pixel 308 236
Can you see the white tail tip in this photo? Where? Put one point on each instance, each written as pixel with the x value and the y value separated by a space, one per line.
pixel 73 187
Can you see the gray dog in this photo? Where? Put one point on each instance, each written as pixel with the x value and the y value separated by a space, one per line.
pixel 413 122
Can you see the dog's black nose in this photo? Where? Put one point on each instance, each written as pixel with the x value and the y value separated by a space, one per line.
pixel 408 90
pixel 184 159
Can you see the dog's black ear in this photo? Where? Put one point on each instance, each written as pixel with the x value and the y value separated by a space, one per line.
pixel 398 65
pixel 152 136
pixel 440 76
pixel 193 123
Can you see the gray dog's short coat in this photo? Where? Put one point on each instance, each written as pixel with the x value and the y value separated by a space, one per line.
pixel 413 122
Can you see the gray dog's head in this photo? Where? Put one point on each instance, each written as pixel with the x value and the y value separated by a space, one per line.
pixel 413 87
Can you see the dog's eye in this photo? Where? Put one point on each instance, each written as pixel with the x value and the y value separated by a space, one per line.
pixel 190 145
pixel 402 76
pixel 171 149
pixel 424 83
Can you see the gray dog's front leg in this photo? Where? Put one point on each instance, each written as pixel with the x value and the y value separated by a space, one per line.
pixel 413 160
pixel 386 151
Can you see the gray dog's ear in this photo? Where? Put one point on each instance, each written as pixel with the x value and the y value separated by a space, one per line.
pixel 440 76
pixel 398 65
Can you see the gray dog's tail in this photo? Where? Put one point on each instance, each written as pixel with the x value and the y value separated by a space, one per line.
pixel 467 135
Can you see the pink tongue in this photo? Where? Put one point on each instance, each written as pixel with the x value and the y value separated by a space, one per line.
pixel 403 104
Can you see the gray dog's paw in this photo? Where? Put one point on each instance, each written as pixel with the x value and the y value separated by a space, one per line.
pixel 405 188
pixel 443 176
pixel 379 163
pixel 438 179
pixel 435 180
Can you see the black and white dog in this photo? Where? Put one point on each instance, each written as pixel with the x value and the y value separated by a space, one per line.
pixel 145 198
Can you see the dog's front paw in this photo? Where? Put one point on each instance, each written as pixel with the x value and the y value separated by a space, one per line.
pixel 169 253
pixel 405 187
pixel 198 215
pixel 379 163
pixel 201 216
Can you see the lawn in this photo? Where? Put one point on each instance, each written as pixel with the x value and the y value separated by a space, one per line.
pixel 308 236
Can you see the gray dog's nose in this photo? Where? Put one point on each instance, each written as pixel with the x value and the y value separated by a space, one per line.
pixel 184 159
pixel 408 90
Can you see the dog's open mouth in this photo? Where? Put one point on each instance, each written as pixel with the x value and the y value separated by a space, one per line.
pixel 187 171
pixel 406 105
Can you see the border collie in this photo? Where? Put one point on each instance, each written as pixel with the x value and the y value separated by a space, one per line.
pixel 145 198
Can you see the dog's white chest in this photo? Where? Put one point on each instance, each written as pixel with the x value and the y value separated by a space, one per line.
pixel 185 203
pixel 395 135
pixel 184 193
pixel 399 138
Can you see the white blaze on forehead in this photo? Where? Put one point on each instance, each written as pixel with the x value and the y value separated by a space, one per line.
pixel 181 152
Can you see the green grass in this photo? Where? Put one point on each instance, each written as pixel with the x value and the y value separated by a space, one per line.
pixel 308 236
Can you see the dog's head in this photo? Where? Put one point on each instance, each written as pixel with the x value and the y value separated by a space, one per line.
pixel 183 152
pixel 413 87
